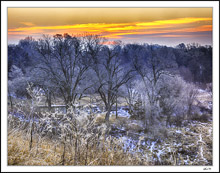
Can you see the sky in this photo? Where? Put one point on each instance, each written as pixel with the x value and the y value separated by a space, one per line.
pixel 164 26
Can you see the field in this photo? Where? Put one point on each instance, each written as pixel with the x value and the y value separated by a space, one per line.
pixel 122 142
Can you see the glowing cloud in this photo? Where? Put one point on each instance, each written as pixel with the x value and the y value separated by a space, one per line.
pixel 163 27
pixel 175 21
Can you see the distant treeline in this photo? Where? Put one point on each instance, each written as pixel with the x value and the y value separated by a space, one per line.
pixel 194 61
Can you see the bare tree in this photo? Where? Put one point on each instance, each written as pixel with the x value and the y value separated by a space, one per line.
pixel 151 64
pixel 172 98
pixel 131 94
pixel 64 60
pixel 17 84
pixel 110 75
pixel 191 93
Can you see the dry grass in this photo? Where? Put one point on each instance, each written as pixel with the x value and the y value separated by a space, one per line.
pixel 112 119
pixel 196 143
pixel 95 149
pixel 49 153
pixel 203 99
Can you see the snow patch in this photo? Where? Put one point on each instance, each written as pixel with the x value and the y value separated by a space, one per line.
pixel 121 113
pixel 178 131
pixel 158 154
pixel 202 91
pixel 152 146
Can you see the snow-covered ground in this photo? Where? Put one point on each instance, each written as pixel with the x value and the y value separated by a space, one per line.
pixel 121 113
pixel 190 149
pixel 192 141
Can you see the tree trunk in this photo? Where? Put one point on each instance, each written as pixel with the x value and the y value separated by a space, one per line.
pixel 189 110
pixel 11 103
pixel 69 104
pixel 64 150
pixel 49 100
pixel 146 120
pixel 168 120
pixel 31 136
pixel 108 114
pixel 75 157
pixel 116 107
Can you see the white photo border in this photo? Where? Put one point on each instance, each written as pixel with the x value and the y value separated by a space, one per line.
pixel 51 4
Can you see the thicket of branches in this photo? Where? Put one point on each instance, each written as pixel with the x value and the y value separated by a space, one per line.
pixel 76 139
pixel 69 67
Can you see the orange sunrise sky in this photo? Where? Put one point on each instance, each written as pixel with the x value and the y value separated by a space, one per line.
pixel 166 26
